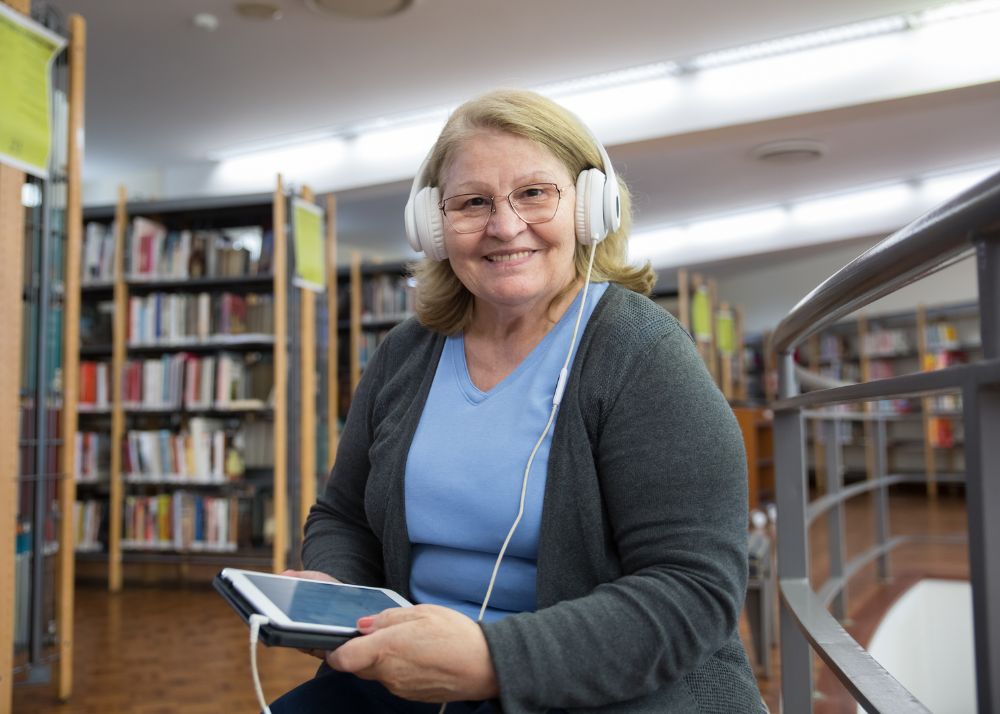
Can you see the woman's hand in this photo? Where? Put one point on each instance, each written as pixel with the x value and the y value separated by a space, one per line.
pixel 425 653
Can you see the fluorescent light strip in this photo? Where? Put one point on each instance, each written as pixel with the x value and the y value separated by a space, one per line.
pixel 830 210
pixel 954 11
pixel 607 80
pixel 798 43
pixel 644 73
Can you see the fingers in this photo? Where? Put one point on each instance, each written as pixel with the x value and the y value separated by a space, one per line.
pixel 356 656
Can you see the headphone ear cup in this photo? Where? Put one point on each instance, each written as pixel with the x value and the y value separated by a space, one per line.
pixel 428 229
pixel 590 207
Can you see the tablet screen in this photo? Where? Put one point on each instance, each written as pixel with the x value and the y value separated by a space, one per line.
pixel 320 604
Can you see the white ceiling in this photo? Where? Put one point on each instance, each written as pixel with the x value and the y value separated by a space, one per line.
pixel 162 95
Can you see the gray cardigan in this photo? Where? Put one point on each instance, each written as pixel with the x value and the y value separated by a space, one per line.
pixel 642 552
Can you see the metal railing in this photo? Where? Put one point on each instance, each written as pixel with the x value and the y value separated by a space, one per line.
pixel 969 222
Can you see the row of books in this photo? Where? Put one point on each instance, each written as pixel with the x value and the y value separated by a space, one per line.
pixel 95 379
pixel 204 451
pixel 181 521
pixel 90 525
pixel 387 297
pixel 886 343
pixel 201 453
pixel 97 263
pixel 93 456
pixel 223 381
pixel 236 381
pixel 182 318
pixel 155 253
pixel 31 316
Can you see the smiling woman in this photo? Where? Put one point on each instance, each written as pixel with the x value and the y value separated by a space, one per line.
pixel 539 461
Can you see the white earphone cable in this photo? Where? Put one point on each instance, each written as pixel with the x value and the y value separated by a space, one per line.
pixel 556 399
pixel 255 623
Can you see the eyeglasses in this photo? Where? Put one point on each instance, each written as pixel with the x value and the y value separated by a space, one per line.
pixel 470 212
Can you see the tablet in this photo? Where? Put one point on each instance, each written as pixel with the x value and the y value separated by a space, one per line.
pixel 310 606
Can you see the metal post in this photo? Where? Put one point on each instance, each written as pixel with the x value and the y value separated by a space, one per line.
pixel 981 407
pixel 835 516
pixel 793 554
pixel 294 405
pixel 881 498
pixel 39 671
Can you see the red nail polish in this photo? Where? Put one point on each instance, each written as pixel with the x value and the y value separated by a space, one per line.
pixel 366 621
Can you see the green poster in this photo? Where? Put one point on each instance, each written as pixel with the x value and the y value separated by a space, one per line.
pixel 724 332
pixel 701 315
pixel 307 234
pixel 26 53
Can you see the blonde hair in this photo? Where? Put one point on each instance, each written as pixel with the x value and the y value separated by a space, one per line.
pixel 442 301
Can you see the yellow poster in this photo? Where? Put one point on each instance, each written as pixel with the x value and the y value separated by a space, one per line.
pixel 26 53
pixel 701 315
pixel 307 234
pixel 724 332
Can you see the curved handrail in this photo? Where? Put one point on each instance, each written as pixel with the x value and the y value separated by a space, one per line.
pixel 924 246
pixel 870 684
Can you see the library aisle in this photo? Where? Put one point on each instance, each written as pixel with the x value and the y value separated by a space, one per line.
pixel 182 648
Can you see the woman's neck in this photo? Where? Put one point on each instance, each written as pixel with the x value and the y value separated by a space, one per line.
pixel 498 340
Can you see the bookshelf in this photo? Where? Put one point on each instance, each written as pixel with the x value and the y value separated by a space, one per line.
pixel 923 434
pixel 375 298
pixel 38 247
pixel 185 457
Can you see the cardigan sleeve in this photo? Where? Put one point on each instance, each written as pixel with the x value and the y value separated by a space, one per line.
pixel 338 539
pixel 672 472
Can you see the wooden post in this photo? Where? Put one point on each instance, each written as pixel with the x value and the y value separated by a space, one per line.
pixel 713 353
pixel 725 358
pixel 279 552
pixel 355 320
pixel 71 353
pixel 930 456
pixel 116 496
pixel 307 395
pixel 683 299
pixel 11 284
pixel 741 358
pixel 333 341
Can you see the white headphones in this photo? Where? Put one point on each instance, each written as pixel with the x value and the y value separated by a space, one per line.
pixel 598 208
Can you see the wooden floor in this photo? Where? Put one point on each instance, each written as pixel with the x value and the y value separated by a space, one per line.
pixel 164 650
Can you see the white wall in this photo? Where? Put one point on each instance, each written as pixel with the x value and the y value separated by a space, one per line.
pixel 768 288
pixel 925 642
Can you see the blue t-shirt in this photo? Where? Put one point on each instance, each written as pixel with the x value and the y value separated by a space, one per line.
pixel 464 473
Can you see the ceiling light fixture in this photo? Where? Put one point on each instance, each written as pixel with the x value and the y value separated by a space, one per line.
pixel 359 8
pixel 797 43
pixel 789 151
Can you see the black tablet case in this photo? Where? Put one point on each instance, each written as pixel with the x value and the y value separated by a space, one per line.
pixel 275 636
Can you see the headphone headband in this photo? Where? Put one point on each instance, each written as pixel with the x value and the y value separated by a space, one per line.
pixel 598 205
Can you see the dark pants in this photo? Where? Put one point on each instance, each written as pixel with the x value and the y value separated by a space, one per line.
pixel 332 692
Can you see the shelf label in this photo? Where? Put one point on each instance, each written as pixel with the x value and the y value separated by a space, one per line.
pixel 27 50
pixel 307 236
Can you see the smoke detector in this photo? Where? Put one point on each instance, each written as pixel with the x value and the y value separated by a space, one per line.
pixel 789 151
pixel 359 8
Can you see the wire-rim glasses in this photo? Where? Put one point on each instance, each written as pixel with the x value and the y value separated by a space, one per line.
pixel 470 212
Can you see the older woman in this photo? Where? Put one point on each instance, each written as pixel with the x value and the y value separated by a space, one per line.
pixel 572 542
